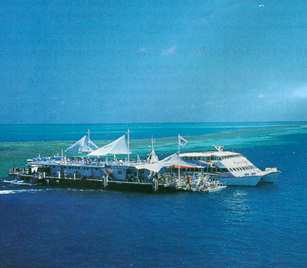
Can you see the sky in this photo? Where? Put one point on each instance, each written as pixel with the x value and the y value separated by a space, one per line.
pixel 108 61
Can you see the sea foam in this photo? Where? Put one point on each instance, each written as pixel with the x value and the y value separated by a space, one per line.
pixel 5 192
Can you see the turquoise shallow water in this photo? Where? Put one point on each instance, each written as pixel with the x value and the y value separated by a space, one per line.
pixel 19 142
pixel 263 226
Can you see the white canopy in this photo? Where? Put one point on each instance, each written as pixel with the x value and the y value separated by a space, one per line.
pixel 84 145
pixel 152 157
pixel 119 146
pixel 172 160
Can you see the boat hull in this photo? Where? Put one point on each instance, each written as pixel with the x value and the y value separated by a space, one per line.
pixel 240 181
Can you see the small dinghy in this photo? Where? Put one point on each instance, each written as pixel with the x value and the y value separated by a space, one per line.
pixel 207 184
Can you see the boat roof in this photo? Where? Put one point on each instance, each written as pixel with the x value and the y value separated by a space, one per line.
pixel 209 153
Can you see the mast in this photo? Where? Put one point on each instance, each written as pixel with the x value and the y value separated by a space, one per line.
pixel 178 151
pixel 128 143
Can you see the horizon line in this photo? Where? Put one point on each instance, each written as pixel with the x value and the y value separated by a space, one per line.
pixel 164 122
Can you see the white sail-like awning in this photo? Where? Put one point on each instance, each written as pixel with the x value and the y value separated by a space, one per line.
pixel 119 146
pixel 176 160
pixel 152 157
pixel 84 145
pixel 172 160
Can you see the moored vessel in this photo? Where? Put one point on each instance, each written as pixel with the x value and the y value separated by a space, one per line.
pixel 232 168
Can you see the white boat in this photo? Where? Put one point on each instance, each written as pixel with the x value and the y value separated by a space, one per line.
pixel 207 184
pixel 231 168
pixel 215 185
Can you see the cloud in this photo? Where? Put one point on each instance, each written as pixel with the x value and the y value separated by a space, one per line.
pixel 300 93
pixel 260 96
pixel 289 94
pixel 170 51
pixel 143 50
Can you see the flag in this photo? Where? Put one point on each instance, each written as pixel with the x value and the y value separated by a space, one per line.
pixel 182 141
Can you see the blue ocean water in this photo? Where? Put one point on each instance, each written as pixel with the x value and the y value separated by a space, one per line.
pixel 262 226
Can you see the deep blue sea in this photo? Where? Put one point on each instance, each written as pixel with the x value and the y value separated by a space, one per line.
pixel 263 226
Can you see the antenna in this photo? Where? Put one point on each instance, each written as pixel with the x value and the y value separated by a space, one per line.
pixel 219 148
